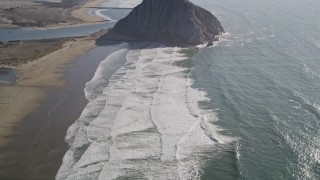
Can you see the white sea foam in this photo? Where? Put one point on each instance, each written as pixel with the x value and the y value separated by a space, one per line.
pixel 223 40
pixel 145 124
pixel 100 14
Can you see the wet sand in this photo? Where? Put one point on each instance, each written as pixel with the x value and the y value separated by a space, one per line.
pixel 37 110
pixel 82 11
pixel 18 100
pixel 34 147
pixel 38 80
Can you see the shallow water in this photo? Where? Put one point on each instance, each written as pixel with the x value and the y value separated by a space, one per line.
pixel 7 75
pixel 144 123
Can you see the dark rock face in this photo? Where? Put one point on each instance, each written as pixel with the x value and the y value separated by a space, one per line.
pixel 170 21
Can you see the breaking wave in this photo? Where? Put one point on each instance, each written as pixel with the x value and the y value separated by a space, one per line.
pixel 143 123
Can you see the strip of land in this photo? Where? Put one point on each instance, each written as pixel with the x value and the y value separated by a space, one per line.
pixel 36 79
pixel 39 65
pixel 47 15
pixel 14 53
pixel 19 100
pixel 34 75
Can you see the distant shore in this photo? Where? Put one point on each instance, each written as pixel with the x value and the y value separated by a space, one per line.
pixel 45 16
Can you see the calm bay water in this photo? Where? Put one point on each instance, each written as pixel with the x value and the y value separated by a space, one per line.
pixel 30 33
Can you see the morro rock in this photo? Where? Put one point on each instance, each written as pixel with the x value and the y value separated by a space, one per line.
pixel 178 22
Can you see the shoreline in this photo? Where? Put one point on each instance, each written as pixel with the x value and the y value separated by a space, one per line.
pixel 36 80
pixel 82 11
pixel 29 107
pixel 37 145
pixel 33 77
pixel 79 13
pixel 65 25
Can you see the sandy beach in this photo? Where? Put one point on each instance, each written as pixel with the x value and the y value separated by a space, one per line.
pixel 82 12
pixel 16 101
pixel 30 89
pixel 42 78
pixel 36 79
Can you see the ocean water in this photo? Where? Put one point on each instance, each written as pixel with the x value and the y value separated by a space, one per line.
pixel 246 108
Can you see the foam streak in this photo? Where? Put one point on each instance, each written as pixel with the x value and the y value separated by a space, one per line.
pixel 144 124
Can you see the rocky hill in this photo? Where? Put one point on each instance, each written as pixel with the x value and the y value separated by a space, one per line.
pixel 170 21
